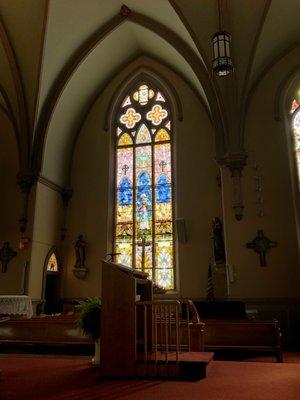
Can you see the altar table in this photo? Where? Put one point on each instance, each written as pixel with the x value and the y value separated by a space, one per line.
pixel 16 305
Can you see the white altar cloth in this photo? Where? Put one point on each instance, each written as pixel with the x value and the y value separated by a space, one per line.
pixel 16 305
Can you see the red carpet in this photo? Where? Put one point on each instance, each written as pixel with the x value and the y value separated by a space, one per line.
pixel 33 378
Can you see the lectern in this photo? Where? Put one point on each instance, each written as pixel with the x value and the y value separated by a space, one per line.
pixel 121 287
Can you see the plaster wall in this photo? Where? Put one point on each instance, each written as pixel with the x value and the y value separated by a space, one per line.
pixel 10 209
pixel 46 234
pixel 267 144
pixel 196 190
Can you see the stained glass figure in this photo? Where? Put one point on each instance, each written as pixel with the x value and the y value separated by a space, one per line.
pixel 52 265
pixel 163 190
pixel 143 194
pixel 125 193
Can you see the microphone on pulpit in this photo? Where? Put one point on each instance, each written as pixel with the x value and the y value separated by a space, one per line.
pixel 111 256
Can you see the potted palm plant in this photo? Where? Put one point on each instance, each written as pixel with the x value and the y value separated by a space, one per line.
pixel 90 322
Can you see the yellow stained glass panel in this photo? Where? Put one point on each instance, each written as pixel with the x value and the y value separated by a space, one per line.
pixel 162 135
pixel 52 265
pixel 125 140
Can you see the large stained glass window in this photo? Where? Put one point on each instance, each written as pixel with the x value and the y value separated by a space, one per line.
pixel 295 111
pixel 143 192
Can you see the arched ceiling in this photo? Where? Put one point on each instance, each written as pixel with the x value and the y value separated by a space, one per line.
pixel 51 60
pixel 124 44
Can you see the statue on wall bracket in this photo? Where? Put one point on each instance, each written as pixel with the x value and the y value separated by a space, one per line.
pixel 6 255
pixel 218 242
pixel 80 270
pixel 261 244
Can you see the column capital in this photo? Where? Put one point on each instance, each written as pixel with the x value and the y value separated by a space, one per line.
pixel 25 180
pixel 235 162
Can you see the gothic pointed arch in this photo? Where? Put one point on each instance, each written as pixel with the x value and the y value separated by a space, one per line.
pixel 143 192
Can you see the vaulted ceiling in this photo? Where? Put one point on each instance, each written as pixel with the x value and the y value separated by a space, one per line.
pixel 57 55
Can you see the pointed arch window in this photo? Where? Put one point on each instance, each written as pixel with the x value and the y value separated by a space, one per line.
pixel 295 112
pixel 143 233
pixel 52 264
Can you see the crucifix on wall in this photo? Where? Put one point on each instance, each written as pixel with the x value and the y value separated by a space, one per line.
pixel 261 244
pixel 6 254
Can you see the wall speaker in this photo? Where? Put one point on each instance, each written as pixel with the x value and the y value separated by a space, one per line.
pixel 180 230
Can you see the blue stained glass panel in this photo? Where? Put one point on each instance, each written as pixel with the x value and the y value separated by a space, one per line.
pixel 125 193
pixel 163 190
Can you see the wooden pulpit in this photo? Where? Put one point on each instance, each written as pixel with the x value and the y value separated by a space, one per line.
pixel 121 287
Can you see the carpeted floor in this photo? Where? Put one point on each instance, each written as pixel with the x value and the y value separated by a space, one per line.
pixel 40 378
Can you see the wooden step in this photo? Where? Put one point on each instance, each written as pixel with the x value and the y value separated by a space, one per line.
pixel 191 366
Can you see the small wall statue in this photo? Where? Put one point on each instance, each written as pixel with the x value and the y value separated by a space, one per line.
pixel 6 254
pixel 218 242
pixel 80 270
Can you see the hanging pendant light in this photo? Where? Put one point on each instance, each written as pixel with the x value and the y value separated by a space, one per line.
pixel 222 64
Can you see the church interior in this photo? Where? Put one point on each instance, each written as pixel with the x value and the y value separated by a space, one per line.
pixel 150 162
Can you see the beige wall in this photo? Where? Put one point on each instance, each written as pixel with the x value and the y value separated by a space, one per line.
pixel 197 193
pixel 10 209
pixel 267 144
pixel 46 234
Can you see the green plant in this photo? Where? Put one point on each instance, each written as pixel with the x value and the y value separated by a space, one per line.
pixel 89 317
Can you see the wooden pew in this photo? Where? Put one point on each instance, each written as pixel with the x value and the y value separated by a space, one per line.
pixel 250 335
pixel 49 330
pixel 232 334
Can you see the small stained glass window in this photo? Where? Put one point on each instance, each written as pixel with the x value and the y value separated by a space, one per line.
pixel 295 111
pixel 52 265
pixel 143 233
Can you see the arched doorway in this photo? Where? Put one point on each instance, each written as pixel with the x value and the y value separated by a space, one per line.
pixel 52 283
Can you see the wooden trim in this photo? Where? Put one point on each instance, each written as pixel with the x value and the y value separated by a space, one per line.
pixel 47 182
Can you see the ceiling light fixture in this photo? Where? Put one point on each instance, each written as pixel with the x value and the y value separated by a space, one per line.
pixel 222 64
